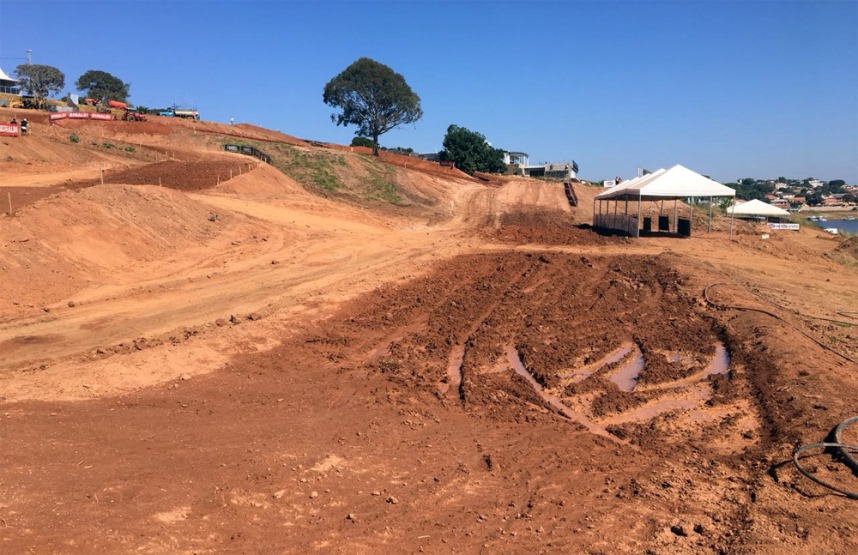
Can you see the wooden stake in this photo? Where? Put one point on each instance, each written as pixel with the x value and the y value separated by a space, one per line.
pixel 10 203
pixel 218 179
pixel 102 176
pixel 230 173
pixel 159 182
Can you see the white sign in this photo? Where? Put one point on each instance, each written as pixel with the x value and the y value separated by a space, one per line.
pixel 609 183
pixel 793 227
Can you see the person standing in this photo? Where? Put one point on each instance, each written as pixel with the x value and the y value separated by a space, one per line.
pixel 24 127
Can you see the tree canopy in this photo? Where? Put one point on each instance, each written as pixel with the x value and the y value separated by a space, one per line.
pixel 100 84
pixel 471 152
pixel 373 97
pixel 40 80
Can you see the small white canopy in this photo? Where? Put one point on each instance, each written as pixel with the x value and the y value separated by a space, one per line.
pixel 756 208
pixel 4 77
pixel 676 183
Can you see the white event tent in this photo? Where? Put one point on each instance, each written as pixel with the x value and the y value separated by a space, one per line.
pixel 673 184
pixel 757 208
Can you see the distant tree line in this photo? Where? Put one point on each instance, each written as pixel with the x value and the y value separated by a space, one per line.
pixel 750 188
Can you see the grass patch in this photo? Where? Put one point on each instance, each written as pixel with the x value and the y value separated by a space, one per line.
pixel 313 170
pixel 74 138
pixel 316 169
pixel 381 184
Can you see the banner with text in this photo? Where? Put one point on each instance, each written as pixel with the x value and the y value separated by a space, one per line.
pixel 9 129
pixel 81 115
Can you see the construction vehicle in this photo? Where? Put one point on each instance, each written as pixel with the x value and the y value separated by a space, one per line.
pixel 28 102
pixel 176 112
pixel 133 115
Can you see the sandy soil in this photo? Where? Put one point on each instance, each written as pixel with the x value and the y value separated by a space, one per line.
pixel 240 365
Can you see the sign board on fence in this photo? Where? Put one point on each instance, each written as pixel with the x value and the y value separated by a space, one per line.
pixel 81 115
pixel 609 183
pixel 9 129
pixel 793 227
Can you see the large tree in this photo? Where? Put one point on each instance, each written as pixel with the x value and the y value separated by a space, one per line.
pixel 373 97
pixel 100 84
pixel 471 152
pixel 39 80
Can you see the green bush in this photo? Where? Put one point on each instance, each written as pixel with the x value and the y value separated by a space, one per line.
pixel 129 149
pixel 108 145
pixel 74 138
pixel 362 141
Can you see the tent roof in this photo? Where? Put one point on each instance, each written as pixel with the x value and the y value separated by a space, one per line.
pixel 756 208
pixel 676 183
pixel 4 77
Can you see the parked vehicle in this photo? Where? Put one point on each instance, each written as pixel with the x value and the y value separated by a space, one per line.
pixel 176 112
pixel 133 115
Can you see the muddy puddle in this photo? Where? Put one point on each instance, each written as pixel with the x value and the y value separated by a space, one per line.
pixel 454 368
pixel 626 377
pixel 614 356
pixel 720 362
pixel 554 401
pixel 692 397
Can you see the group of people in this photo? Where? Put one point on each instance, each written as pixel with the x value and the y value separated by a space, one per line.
pixel 24 125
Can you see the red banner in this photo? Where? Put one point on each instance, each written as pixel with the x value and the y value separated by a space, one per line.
pixel 81 115
pixel 9 129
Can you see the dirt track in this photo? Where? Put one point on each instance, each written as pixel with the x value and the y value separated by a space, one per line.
pixel 500 379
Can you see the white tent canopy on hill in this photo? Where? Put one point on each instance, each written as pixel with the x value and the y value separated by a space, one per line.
pixel 676 183
pixel 756 208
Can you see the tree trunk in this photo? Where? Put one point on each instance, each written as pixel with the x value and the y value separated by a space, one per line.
pixel 375 144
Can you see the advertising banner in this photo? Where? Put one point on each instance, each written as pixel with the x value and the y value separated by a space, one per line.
pixel 81 115
pixel 9 129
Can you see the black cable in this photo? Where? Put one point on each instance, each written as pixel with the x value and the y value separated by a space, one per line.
pixel 773 315
pixel 824 445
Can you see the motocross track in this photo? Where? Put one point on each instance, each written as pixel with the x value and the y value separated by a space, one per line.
pixel 242 365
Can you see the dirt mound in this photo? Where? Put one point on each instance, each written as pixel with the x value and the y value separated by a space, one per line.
pixel 180 175
pixel 846 252
pixel 410 162
pixel 60 243
pixel 491 399
pixel 550 227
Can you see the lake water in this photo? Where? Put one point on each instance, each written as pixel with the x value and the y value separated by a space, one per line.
pixel 845 226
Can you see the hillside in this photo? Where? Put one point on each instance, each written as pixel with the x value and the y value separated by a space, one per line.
pixel 335 352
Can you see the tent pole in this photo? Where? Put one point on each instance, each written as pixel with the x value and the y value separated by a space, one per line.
pixel 732 215
pixel 690 215
pixel 594 211
pixel 639 213
pixel 710 215
pixel 675 214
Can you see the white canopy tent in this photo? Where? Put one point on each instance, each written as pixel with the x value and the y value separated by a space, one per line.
pixel 757 208
pixel 674 184
pixel 4 77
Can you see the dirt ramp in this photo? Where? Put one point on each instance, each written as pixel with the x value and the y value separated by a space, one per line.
pixel 60 243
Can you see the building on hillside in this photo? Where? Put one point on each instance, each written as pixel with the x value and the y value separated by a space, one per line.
pixel 9 85
pixel 561 170
pixel 517 159
pixel 816 183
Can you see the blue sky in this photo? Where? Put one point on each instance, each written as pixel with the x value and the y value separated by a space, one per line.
pixel 762 89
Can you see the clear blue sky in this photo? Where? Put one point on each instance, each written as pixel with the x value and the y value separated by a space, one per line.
pixel 731 90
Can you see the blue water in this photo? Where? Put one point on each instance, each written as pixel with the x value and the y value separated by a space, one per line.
pixel 845 226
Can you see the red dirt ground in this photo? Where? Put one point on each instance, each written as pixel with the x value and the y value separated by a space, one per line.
pixel 253 368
